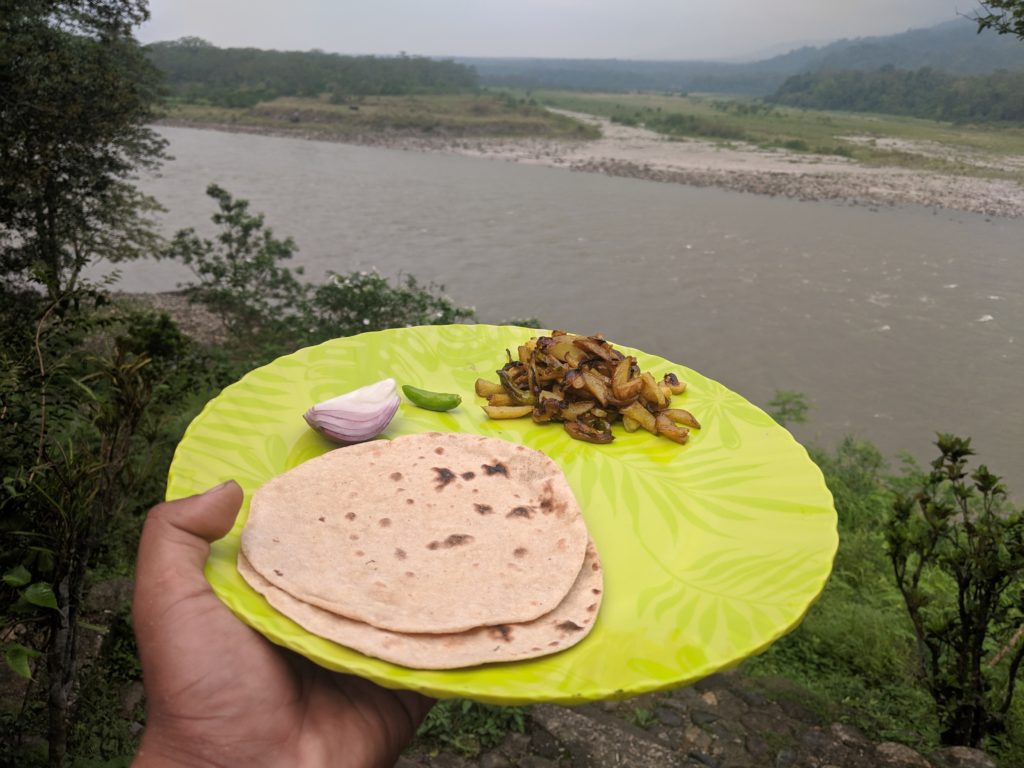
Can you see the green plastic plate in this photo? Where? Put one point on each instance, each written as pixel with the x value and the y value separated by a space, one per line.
pixel 711 550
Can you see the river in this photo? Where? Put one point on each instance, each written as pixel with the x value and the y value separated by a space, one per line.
pixel 895 323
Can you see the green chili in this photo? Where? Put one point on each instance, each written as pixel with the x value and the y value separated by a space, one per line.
pixel 432 401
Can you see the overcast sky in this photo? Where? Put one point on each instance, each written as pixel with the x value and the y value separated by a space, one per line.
pixel 638 29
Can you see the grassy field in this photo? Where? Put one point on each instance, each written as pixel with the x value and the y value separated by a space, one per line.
pixel 988 151
pixel 472 115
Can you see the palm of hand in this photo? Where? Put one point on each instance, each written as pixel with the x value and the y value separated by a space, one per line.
pixel 219 693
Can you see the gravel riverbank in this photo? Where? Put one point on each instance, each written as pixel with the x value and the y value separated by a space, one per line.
pixel 639 153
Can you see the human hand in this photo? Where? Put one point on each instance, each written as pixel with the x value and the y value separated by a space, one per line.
pixel 217 692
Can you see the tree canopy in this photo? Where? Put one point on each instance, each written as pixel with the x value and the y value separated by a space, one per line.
pixel 926 93
pixel 75 96
pixel 236 77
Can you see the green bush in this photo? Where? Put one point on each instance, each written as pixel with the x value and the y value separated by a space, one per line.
pixel 467 727
pixel 267 310
pixel 957 551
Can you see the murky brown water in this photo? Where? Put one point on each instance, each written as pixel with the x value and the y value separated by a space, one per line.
pixel 895 323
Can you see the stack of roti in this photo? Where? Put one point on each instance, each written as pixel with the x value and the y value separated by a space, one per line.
pixel 433 551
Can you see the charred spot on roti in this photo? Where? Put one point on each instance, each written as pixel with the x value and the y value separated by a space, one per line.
pixel 519 551
pixel 350 516
pixel 322 519
pixel 554 644
pixel 384 522
pixel 497 468
pixel 468 475
pixel 396 476
pixel 409 574
pixel 526 512
pixel 444 477
pixel 569 626
pixel 596 591
pixel 400 553
pixel 455 540
pixel 278 572
pixel 410 501
pixel 501 631
pixel 483 509
pixel 592 607
pixel 353 537
pixel 439 450
pixel 359 553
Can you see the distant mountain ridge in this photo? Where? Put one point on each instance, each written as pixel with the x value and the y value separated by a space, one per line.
pixel 953 46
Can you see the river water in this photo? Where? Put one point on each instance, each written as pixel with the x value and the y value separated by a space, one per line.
pixel 895 323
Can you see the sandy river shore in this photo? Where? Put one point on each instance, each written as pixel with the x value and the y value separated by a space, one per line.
pixel 639 153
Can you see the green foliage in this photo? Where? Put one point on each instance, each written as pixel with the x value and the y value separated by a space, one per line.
pixel 852 647
pixel 927 93
pixel 642 717
pixel 197 71
pixel 93 397
pixel 240 275
pixel 957 551
pixel 467 727
pixel 1005 17
pixel 788 407
pixel 678 124
pixel 75 97
pixel 267 310
pixel 366 301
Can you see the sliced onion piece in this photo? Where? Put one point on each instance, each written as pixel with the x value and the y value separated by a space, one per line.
pixel 356 416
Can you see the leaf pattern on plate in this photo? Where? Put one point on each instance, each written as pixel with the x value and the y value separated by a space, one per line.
pixel 711 550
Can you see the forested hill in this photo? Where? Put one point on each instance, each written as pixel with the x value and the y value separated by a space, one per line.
pixel 954 47
pixel 924 93
pixel 198 71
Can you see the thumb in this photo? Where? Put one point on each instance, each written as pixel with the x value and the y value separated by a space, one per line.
pixel 173 548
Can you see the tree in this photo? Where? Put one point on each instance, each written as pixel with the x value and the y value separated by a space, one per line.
pixel 266 310
pixel 76 94
pixel 241 275
pixel 957 551
pixel 1006 17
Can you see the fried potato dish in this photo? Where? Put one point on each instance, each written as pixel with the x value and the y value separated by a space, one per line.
pixel 587 385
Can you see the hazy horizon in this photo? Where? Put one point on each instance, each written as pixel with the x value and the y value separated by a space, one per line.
pixel 595 29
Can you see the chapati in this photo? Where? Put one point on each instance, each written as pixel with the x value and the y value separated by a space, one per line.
pixel 427 533
pixel 562 628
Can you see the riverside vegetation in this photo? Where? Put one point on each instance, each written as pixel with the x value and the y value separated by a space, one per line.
pixel 874 140
pixel 95 393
